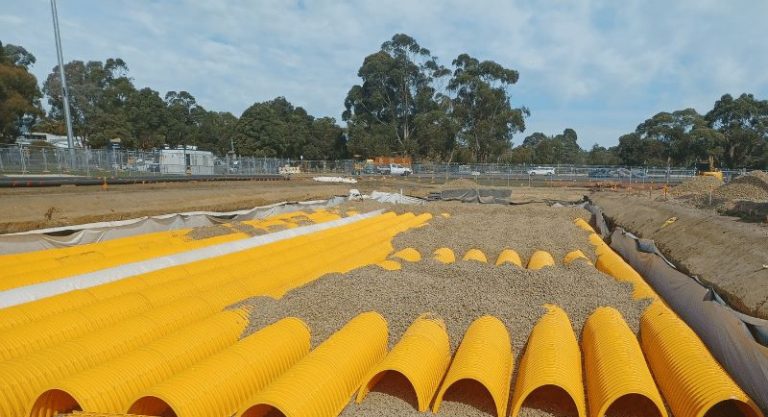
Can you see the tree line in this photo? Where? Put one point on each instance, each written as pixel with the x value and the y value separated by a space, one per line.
pixel 406 103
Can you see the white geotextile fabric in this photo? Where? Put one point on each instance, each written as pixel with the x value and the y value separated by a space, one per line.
pixel 395 198
pixel 34 292
pixel 58 237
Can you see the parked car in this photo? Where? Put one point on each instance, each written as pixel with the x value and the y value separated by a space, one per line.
pixel 395 169
pixel 601 173
pixel 541 171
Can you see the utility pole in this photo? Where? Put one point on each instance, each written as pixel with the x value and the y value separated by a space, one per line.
pixel 64 90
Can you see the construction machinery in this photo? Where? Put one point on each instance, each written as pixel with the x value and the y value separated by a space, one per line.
pixel 708 169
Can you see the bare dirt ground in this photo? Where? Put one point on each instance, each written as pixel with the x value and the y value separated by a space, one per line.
pixel 35 208
pixel 726 252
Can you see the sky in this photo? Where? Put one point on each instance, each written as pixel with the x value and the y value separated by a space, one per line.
pixel 600 67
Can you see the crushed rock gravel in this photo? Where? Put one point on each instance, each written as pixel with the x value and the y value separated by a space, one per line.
pixel 752 186
pixel 458 293
pixel 699 185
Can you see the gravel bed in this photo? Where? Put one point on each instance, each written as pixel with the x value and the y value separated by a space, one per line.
pixel 491 228
pixel 458 293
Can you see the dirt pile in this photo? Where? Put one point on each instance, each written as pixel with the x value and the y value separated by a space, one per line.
pixel 753 187
pixel 696 186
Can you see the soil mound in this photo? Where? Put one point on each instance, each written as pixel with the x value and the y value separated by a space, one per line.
pixel 752 186
pixel 698 185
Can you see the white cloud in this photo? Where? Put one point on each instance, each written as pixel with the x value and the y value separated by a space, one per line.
pixel 597 65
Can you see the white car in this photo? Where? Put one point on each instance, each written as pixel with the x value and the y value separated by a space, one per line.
pixel 541 171
pixel 395 169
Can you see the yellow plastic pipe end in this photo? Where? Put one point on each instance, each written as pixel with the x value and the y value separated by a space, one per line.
pixel 218 385
pixel 576 255
pixel 484 356
pixel 390 265
pixel 408 255
pixel 421 356
pixel 583 225
pixel 445 215
pixel 444 255
pixel 540 259
pixel 614 363
pixel 475 255
pixel 333 371
pixel 692 381
pixel 552 358
pixel 509 256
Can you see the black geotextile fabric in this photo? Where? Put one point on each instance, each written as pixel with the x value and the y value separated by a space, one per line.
pixel 732 338
pixel 481 195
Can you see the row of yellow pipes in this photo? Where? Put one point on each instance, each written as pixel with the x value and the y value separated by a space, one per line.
pixel 273 369
pixel 538 260
pixel 37 353
pixel 41 266
pixel 691 379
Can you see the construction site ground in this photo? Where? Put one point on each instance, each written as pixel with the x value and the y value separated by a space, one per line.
pixel 724 251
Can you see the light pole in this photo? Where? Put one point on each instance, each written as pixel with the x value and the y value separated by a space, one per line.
pixel 64 90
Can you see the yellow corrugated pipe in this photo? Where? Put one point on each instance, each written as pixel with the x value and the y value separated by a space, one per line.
pixel 390 265
pixel 224 294
pixel 25 377
pixel 614 363
pixel 218 385
pixel 540 259
pixel 67 325
pixel 41 266
pixel 408 255
pixel 111 386
pixel 444 256
pixel 689 377
pixel 485 356
pixel 421 356
pixel 609 262
pixel 509 256
pixel 552 358
pixel 208 272
pixel 583 225
pixel 475 255
pixel 575 255
pixel 320 384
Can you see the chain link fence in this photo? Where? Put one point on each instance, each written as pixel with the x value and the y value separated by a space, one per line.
pixel 30 160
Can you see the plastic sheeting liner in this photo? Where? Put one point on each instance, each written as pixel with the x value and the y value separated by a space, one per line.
pixel 421 356
pixel 484 356
pixel 614 364
pixel 218 385
pixel 540 259
pixel 320 384
pixel 552 358
pixel 104 231
pixel 689 377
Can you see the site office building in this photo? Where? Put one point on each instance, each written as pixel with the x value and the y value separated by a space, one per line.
pixel 185 161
